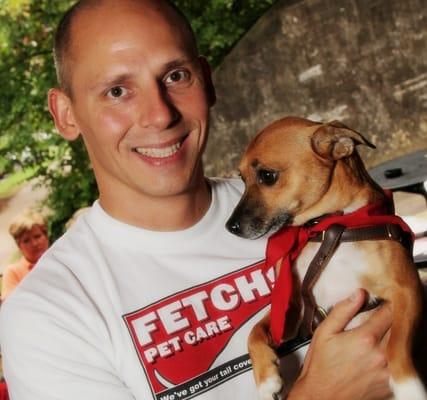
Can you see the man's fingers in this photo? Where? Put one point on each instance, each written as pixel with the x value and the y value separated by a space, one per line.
pixel 378 323
pixel 342 313
pixel 307 360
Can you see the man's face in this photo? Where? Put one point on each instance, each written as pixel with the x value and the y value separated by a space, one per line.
pixel 33 243
pixel 139 101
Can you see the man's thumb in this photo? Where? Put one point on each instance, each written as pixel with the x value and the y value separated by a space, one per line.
pixel 343 313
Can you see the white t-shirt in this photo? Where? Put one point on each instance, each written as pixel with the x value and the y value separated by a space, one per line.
pixel 113 311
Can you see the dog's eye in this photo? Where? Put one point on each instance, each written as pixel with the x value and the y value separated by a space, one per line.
pixel 267 177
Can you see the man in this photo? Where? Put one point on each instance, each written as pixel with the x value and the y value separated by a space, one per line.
pixel 30 234
pixel 147 295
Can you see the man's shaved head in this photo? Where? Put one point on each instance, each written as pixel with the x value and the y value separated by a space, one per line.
pixel 63 36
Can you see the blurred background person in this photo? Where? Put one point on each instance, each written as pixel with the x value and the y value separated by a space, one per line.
pixel 30 234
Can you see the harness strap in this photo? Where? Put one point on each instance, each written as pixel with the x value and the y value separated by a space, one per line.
pixel 312 314
pixel 330 239
pixel 375 232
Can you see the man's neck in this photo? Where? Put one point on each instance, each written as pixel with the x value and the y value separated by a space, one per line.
pixel 167 213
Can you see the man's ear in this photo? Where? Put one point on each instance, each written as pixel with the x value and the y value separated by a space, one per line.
pixel 61 110
pixel 207 76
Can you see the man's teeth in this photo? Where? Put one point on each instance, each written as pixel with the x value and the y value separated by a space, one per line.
pixel 159 153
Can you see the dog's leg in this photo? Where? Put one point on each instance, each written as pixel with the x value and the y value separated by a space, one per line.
pixel 392 277
pixel 406 309
pixel 265 362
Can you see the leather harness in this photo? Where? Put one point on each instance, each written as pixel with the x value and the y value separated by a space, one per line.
pixel 330 239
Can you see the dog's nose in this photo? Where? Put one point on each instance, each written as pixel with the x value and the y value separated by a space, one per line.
pixel 234 227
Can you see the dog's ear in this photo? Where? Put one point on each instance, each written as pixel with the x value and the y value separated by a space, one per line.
pixel 334 140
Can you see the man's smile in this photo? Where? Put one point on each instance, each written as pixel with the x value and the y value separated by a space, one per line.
pixel 161 151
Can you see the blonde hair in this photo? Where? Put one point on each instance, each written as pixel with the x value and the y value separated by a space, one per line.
pixel 25 222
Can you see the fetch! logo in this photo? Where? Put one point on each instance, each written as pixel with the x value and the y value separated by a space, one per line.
pixel 178 338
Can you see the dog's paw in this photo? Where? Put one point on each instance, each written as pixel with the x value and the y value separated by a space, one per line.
pixel 411 389
pixel 270 388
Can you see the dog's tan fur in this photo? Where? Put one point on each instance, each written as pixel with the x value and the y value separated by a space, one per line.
pixel 320 172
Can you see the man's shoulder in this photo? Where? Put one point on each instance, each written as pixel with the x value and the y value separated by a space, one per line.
pixel 51 288
pixel 10 311
pixel 56 269
pixel 21 315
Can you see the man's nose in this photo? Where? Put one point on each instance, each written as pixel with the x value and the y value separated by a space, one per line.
pixel 157 109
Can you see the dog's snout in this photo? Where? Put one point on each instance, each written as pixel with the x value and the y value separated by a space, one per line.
pixel 234 227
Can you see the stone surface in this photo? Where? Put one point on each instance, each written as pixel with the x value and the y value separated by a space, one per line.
pixel 363 62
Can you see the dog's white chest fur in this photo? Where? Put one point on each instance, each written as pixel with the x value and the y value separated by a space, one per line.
pixel 341 277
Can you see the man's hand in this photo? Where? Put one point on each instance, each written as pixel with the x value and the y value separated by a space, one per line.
pixel 346 365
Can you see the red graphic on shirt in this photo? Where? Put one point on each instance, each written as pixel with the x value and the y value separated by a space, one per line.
pixel 179 337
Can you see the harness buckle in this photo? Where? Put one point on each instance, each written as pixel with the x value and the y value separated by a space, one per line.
pixel 389 232
pixel 322 312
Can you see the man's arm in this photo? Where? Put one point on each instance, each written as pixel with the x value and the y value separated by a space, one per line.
pixel 346 365
pixel 59 355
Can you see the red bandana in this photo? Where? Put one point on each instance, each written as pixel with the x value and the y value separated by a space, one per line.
pixel 289 242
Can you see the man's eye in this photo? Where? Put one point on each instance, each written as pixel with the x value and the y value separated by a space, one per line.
pixel 177 76
pixel 117 91
pixel 267 177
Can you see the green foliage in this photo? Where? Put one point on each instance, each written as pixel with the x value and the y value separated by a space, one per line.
pixel 28 140
pixel 10 184
pixel 219 24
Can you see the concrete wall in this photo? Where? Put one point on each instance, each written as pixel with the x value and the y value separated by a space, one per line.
pixel 363 62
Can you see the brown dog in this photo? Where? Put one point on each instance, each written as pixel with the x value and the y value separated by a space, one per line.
pixel 298 170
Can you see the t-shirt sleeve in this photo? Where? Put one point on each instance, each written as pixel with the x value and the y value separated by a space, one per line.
pixel 45 358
